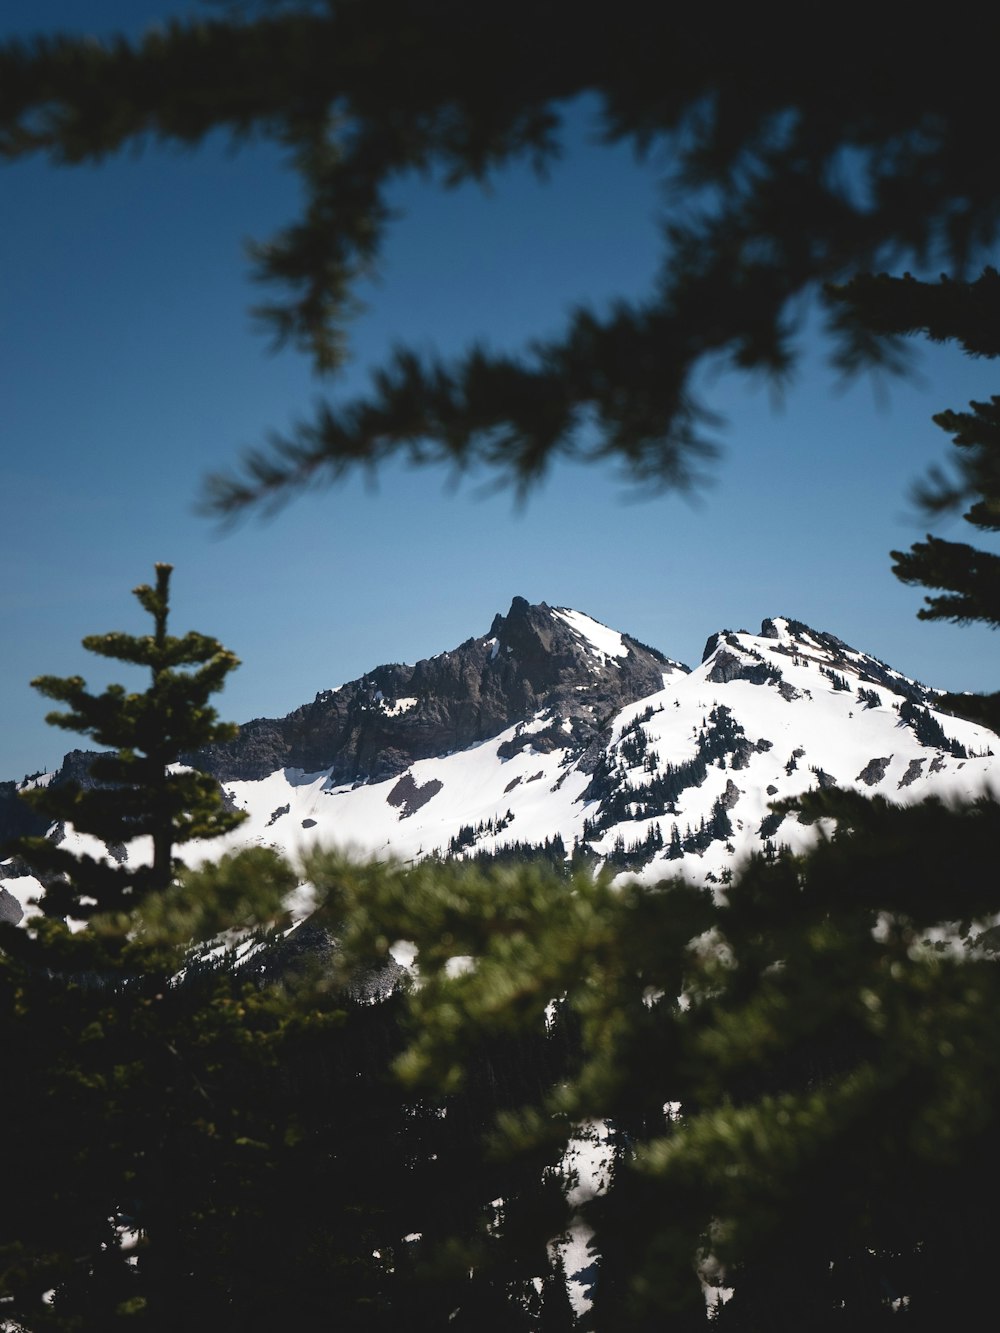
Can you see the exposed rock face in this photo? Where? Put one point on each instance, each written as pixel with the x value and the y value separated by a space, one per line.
pixel 731 666
pixel 76 768
pixel 874 771
pixel 533 658
pixel 11 910
pixel 914 770
pixel 409 798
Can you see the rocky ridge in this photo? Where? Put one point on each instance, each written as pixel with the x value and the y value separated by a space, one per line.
pixel 535 658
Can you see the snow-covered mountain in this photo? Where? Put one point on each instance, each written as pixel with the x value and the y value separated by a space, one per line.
pixel 555 736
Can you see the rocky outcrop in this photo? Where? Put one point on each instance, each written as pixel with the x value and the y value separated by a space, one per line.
pixel 734 666
pixel 409 797
pixel 874 771
pixel 18 819
pixel 11 910
pixel 733 660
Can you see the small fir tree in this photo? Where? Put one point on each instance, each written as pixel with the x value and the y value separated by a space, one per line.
pixel 138 791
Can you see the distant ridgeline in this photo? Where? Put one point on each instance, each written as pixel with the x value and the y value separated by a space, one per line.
pixel 555 738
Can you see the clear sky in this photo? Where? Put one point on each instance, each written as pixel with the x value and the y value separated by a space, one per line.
pixel 129 367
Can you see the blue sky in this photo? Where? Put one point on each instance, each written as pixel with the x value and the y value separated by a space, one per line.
pixel 129 367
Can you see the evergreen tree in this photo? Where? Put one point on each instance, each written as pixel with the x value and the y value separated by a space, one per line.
pixel 674 850
pixel 844 1080
pixel 836 1069
pixel 111 1062
pixel 928 730
pixel 968 577
pixel 141 790
pixel 557 1314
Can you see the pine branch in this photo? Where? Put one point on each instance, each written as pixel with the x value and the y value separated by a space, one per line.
pixel 780 173
pixel 972 578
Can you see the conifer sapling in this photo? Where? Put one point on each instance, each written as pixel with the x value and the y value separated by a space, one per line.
pixel 139 790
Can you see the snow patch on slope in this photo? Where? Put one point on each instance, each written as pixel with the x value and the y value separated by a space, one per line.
pixel 604 643
pixel 400 706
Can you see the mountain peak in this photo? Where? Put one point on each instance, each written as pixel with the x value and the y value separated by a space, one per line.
pixel 537 659
pixel 520 608
pixel 784 642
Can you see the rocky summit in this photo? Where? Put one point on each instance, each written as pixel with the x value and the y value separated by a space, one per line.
pixel 533 659
pixel 553 736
